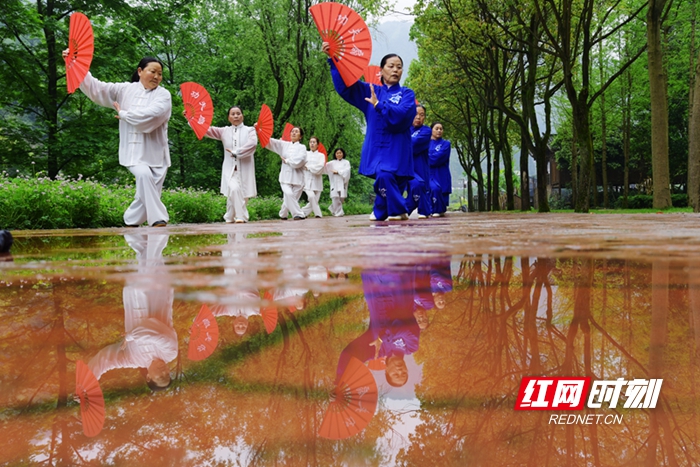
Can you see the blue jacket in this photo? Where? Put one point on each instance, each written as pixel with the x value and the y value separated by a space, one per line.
pixel 420 137
pixel 439 154
pixel 387 145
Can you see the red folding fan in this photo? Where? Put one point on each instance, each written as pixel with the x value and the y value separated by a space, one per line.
pixel 81 46
pixel 199 109
pixel 354 405
pixel 373 75
pixel 92 401
pixel 269 313
pixel 349 38
pixel 265 125
pixel 322 149
pixel 287 133
pixel 204 335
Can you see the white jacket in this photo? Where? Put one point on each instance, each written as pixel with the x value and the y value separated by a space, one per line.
pixel 294 158
pixel 313 173
pixel 242 141
pixel 339 181
pixel 143 119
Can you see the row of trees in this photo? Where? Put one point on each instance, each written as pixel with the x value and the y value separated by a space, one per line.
pixel 606 83
pixel 245 53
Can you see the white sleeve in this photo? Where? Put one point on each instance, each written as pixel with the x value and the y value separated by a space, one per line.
pixel 147 119
pixel 247 148
pixel 278 146
pixel 296 157
pixel 104 94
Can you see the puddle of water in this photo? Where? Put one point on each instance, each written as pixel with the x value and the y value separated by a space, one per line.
pixel 412 356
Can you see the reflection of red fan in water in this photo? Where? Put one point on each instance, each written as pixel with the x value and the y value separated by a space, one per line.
pixel 373 75
pixel 354 405
pixel 204 335
pixel 265 125
pixel 92 402
pixel 81 46
pixel 199 109
pixel 348 36
pixel 269 313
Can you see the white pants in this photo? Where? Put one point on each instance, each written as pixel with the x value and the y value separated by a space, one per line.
pixel 235 202
pixel 313 196
pixel 336 207
pixel 147 205
pixel 291 195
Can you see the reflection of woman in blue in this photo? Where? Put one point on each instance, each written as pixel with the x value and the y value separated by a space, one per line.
pixel 393 331
pixel 150 341
pixel 387 154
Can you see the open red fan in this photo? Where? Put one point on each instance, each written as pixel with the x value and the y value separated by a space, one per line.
pixel 265 125
pixel 269 313
pixel 204 335
pixel 92 401
pixel 373 75
pixel 322 149
pixel 354 405
pixel 349 38
pixel 81 46
pixel 199 109
pixel 287 133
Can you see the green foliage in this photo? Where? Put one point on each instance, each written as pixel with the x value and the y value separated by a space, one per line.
pixel 42 203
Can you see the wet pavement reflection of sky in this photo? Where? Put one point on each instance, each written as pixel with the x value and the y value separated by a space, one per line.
pixel 340 342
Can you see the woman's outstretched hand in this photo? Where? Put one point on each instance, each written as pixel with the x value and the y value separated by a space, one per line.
pixel 373 98
pixel 118 108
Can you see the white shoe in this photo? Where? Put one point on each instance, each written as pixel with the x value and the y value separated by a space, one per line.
pixel 402 217
pixel 239 221
pixel 372 217
pixel 421 216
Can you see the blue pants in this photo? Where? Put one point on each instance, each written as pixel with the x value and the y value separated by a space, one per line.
pixel 438 199
pixel 389 200
pixel 418 197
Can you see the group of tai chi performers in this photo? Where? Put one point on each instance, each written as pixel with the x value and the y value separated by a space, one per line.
pixel 400 153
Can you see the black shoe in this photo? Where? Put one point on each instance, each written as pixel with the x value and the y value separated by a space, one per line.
pixel 159 224
pixel 299 218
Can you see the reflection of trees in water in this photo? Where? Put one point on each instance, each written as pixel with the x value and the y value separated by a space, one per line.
pixel 601 318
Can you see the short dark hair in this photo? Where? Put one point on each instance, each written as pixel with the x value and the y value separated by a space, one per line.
pixel 436 123
pixel 142 64
pixel 314 137
pixel 301 131
pixel 341 150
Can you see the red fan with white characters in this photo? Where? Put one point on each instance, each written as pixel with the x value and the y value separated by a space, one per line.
pixel 354 402
pixel 199 109
pixel 204 335
pixel 373 75
pixel 348 36
pixel 81 46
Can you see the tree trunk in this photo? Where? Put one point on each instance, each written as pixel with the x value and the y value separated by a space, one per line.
pixel 541 163
pixel 604 136
pixel 659 107
pixel 585 145
pixel 49 22
pixel 694 146
pixel 524 176
pixel 574 167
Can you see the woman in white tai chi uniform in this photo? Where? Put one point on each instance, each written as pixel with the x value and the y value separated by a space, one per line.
pixel 143 109
pixel 291 178
pixel 338 171
pixel 313 178
pixel 238 169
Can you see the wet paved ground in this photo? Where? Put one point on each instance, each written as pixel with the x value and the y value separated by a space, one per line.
pixel 344 342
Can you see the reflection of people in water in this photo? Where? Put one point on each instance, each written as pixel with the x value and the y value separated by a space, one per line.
pixel 393 329
pixel 241 303
pixel 440 280
pixel 150 341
